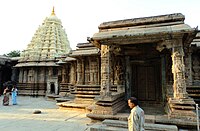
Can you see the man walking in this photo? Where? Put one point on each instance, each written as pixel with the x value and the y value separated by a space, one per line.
pixel 136 118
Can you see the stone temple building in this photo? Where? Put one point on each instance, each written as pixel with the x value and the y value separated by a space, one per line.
pixel 38 71
pixel 156 59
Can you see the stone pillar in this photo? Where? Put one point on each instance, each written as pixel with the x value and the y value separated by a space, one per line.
pixel 95 71
pixel 107 103
pixel 50 72
pixel 14 74
pixel 25 76
pixel 163 73
pixel 72 74
pixel 180 105
pixel 20 75
pixel 48 91
pixel 79 72
pixel 105 71
pixel 178 70
pixel 91 71
pixel 63 74
pixel 98 71
pixel 42 75
pixel 56 88
pixel 83 71
pixel 128 78
pixel 188 61
pixel 35 75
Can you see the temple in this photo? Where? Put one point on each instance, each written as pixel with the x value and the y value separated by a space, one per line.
pixel 156 59
pixel 38 71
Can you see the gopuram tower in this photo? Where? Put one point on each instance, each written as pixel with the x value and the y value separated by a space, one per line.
pixel 38 71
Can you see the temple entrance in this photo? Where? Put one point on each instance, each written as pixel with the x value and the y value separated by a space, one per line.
pixel 52 88
pixel 146 81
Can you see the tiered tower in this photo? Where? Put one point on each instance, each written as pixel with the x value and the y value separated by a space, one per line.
pixel 38 71
pixel 49 41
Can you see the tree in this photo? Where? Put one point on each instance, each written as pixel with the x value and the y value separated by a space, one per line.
pixel 14 53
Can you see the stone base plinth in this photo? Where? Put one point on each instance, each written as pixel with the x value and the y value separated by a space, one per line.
pixel 182 109
pixel 108 106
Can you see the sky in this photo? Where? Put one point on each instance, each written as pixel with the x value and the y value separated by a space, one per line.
pixel 80 18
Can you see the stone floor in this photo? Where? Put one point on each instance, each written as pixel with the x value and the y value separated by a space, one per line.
pixel 21 118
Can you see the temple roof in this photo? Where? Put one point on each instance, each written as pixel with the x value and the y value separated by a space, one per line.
pixel 85 49
pixel 4 59
pixel 196 40
pixel 48 42
pixel 142 30
pixel 31 64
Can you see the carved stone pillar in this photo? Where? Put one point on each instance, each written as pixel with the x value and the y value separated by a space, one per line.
pixel 105 71
pixel 180 105
pixel 63 74
pixel 72 73
pixel 128 78
pixel 178 70
pixel 189 68
pixel 20 75
pixel 30 75
pixel 25 76
pixel 107 103
pixel 14 74
pixel 98 71
pixel 79 72
pixel 35 75
pixel 163 74
pixel 42 75
pixel 83 71
pixel 92 70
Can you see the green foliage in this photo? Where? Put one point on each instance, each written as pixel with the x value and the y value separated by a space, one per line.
pixel 14 53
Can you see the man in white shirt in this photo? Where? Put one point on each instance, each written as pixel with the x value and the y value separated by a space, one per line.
pixel 136 119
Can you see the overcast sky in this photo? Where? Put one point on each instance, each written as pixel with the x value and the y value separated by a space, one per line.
pixel 80 18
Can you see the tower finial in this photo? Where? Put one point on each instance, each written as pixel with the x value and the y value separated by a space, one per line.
pixel 53 13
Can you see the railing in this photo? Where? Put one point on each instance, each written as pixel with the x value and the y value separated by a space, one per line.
pixel 197 111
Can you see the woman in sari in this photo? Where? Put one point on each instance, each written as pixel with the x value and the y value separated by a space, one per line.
pixel 14 95
pixel 6 97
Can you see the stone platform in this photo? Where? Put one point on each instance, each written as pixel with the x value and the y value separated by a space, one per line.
pixel 117 125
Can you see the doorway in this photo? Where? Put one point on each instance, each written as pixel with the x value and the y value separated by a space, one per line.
pixel 52 88
pixel 147 81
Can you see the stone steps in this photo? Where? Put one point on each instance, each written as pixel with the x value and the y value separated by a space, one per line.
pixel 117 125
pixel 70 105
pixel 63 99
pixel 52 96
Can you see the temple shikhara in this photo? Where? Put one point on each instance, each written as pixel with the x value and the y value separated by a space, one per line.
pixel 156 59
pixel 38 71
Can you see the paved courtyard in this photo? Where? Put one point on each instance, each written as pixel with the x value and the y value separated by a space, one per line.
pixel 21 118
